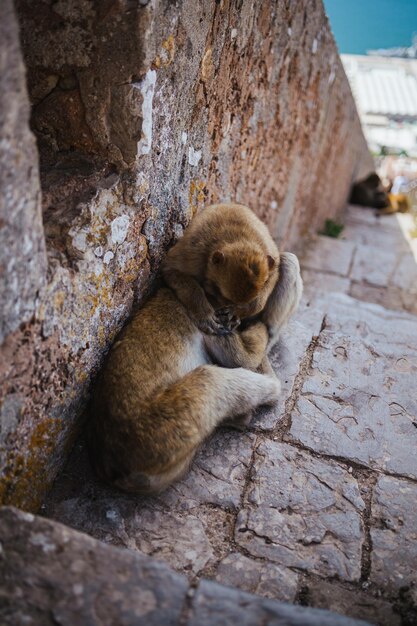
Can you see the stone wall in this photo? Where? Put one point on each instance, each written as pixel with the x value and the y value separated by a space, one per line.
pixel 143 113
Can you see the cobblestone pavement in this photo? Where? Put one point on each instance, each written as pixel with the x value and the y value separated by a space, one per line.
pixel 316 503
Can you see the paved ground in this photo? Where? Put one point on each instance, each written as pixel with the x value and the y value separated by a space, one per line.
pixel 317 503
pixel 53 575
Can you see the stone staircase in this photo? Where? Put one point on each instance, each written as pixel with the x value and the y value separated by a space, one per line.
pixel 314 505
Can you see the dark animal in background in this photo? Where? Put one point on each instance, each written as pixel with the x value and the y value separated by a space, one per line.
pixel 369 192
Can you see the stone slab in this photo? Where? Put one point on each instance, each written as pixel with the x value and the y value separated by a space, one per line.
pixel 333 596
pixel 359 400
pixel 373 265
pixel 302 512
pixel 184 526
pixel 326 254
pixel 405 274
pixel 390 297
pixel 315 281
pixel 213 604
pixel 52 575
pixel 385 235
pixel 257 576
pixel 394 535
pixel 286 359
pixel 363 215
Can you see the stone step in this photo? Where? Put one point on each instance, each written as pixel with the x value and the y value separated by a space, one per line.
pixel 374 260
pixel 52 575
pixel 296 499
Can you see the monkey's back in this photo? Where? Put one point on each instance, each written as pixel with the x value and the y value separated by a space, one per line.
pixel 157 347
pixel 153 350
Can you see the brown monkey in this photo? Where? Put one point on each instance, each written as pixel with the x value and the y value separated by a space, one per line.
pixel 166 386
pixel 224 267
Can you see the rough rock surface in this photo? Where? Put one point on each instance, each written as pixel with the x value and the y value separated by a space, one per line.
pixel 315 503
pixel 144 112
pixel 394 537
pixel 51 574
pixel 352 602
pixel 22 245
pixel 302 512
pixel 357 402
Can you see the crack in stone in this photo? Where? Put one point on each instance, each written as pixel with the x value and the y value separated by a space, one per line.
pixel 267 540
pixel 187 607
pixel 366 516
pixel 309 397
pixel 284 424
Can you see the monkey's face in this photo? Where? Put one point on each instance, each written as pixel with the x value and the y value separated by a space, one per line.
pixel 238 276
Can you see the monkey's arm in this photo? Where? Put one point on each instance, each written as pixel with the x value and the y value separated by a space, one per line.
pixel 245 348
pixel 195 301
pixel 284 298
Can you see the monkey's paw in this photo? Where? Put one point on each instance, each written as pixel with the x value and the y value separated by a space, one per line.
pixel 227 319
pixel 222 322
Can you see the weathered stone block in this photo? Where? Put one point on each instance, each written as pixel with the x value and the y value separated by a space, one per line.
pixel 394 535
pixel 302 512
pixel 286 358
pixel 373 264
pixel 213 602
pixel 265 579
pixel 357 402
pixel 325 254
pixel 22 246
pixel 51 574
pixel 184 526
pixel 334 597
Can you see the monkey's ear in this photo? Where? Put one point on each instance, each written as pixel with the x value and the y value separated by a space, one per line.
pixel 217 257
pixel 271 261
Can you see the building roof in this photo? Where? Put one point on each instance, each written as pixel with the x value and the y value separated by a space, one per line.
pixel 383 86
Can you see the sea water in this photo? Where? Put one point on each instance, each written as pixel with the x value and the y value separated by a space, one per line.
pixel 361 25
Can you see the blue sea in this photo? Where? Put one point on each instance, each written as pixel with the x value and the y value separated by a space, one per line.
pixel 360 25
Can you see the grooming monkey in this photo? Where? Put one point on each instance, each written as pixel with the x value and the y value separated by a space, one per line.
pixel 224 267
pixel 166 385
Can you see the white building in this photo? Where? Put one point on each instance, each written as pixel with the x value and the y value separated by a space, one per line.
pixel 385 90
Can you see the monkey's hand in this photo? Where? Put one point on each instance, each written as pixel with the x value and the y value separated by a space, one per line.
pixel 222 322
pixel 227 318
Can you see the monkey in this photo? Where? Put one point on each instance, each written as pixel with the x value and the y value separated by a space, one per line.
pixel 370 192
pixel 226 257
pixel 397 203
pixel 166 386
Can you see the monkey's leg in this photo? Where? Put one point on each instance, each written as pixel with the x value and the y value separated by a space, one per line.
pixel 266 367
pixel 244 348
pixel 284 298
pixel 185 414
pixel 195 301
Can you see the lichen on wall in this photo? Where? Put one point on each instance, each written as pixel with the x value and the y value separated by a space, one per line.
pixel 143 113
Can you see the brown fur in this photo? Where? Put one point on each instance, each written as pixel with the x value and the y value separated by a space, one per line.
pixel 226 258
pixel 160 394
pixel 166 385
pixel 398 203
